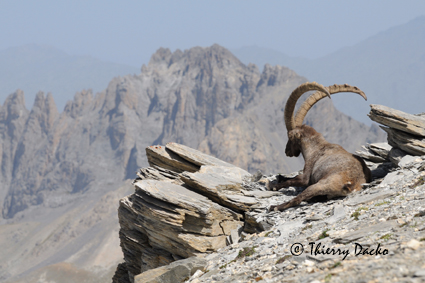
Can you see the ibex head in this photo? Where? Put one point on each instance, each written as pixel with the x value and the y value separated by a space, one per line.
pixel 293 147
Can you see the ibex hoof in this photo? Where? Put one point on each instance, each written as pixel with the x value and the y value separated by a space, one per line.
pixel 273 208
pixel 266 183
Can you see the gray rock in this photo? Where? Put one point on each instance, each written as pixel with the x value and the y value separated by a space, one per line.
pixel 408 160
pixel 392 177
pixel 234 236
pixel 382 149
pixel 411 144
pixel 156 173
pixel 420 273
pixel 338 213
pixel 370 155
pixel 176 271
pixel 162 157
pixel 222 184
pixel 398 119
pixel 195 156
pixel 396 154
pixel 363 232
pixel 362 199
pixel 287 228
pixel 260 194
pixel 170 221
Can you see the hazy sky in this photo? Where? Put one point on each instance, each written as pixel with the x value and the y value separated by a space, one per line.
pixel 130 31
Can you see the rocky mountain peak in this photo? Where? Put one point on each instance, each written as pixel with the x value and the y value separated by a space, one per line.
pixel 14 105
pixel 276 75
pixel 44 111
pixel 206 58
pixel 81 100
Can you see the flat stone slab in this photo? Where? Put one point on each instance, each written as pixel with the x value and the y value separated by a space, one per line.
pixel 392 177
pixel 176 271
pixel 288 228
pixel 162 157
pixel 398 119
pixel 156 173
pixel 221 184
pixel 409 160
pixel 382 149
pixel 362 199
pixel 413 145
pixel 368 154
pixel 260 194
pixel 339 212
pixel 363 232
pixel 195 156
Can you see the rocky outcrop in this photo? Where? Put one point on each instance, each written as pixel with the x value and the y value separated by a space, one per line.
pixel 405 131
pixel 155 239
pixel 172 216
pixel 406 137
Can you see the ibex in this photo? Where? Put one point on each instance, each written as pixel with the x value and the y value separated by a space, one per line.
pixel 329 169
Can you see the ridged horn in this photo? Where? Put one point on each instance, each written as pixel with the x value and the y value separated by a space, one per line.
pixel 293 98
pixel 317 96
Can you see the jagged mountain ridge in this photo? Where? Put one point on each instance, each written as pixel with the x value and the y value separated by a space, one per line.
pixel 202 97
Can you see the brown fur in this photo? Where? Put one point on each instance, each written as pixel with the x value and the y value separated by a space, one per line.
pixel 329 169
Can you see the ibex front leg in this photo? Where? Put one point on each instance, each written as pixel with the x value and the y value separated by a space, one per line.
pixel 331 187
pixel 299 181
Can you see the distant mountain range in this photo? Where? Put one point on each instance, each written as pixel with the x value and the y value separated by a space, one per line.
pixel 33 68
pixel 389 67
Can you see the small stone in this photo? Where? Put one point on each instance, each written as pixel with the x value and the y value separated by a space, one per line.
pixel 309 263
pixel 406 160
pixel 413 244
pixel 420 273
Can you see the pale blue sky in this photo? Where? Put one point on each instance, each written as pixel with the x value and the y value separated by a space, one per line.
pixel 130 31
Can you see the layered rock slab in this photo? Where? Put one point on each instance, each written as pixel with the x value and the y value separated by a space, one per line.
pixel 173 222
pixel 405 131
pixel 397 119
pixel 195 156
pixel 411 144
pixel 160 156
pixel 221 184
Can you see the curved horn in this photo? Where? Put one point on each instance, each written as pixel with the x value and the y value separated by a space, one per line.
pixel 293 98
pixel 317 96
